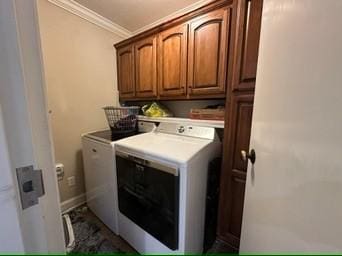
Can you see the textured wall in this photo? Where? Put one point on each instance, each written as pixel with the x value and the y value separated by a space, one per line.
pixel 80 71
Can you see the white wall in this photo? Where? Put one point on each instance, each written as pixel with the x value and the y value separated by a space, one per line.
pixel 80 70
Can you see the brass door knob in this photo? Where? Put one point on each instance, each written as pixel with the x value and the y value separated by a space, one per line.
pixel 251 156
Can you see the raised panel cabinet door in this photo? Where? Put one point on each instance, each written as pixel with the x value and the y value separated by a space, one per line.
pixel 146 67
pixel 208 47
pixel 125 62
pixel 233 175
pixel 246 44
pixel 172 61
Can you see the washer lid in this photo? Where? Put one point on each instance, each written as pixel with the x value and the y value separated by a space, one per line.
pixel 107 136
pixel 169 147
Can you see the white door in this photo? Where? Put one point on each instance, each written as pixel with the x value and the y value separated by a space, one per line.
pixel 24 135
pixel 293 198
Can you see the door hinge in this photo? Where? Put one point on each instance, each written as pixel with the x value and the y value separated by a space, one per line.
pixel 31 185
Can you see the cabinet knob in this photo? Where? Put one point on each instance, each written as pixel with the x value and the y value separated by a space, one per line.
pixel 251 156
pixel 181 129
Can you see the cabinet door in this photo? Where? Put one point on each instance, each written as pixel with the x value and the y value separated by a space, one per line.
pixel 247 36
pixel 146 67
pixel 233 177
pixel 125 62
pixel 208 47
pixel 172 61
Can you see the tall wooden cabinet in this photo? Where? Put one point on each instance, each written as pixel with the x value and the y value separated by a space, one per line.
pixel 239 102
pixel 208 47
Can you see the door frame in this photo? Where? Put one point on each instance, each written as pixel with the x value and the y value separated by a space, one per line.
pixel 25 117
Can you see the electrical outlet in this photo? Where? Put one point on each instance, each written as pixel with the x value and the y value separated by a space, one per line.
pixel 60 171
pixel 71 181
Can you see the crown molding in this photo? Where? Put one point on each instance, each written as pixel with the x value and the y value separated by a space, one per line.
pixel 91 16
pixel 173 15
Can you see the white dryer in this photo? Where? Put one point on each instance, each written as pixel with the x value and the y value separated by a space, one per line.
pixel 162 178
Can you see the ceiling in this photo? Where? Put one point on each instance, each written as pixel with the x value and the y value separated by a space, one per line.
pixel 136 14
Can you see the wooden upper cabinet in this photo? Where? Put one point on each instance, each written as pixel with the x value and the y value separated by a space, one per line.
pixel 146 67
pixel 247 36
pixel 172 61
pixel 208 48
pixel 125 62
pixel 184 58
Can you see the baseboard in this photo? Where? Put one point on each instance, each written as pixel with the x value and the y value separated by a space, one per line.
pixel 72 203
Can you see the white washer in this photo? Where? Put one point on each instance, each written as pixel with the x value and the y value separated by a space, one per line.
pixel 162 178
pixel 100 174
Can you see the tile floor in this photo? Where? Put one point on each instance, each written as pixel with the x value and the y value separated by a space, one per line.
pixel 94 237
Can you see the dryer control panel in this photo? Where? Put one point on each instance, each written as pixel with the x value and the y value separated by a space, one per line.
pixel 187 130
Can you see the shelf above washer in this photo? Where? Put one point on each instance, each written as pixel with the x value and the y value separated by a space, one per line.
pixel 204 123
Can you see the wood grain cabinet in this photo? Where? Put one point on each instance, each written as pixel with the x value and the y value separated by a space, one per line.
pixel 146 67
pixel 172 61
pixel 233 179
pixel 125 67
pixel 239 102
pixel 208 47
pixel 184 58
pixel 246 44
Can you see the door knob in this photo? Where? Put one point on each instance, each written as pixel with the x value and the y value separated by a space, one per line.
pixel 251 156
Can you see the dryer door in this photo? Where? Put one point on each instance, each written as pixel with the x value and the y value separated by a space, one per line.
pixel 149 196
